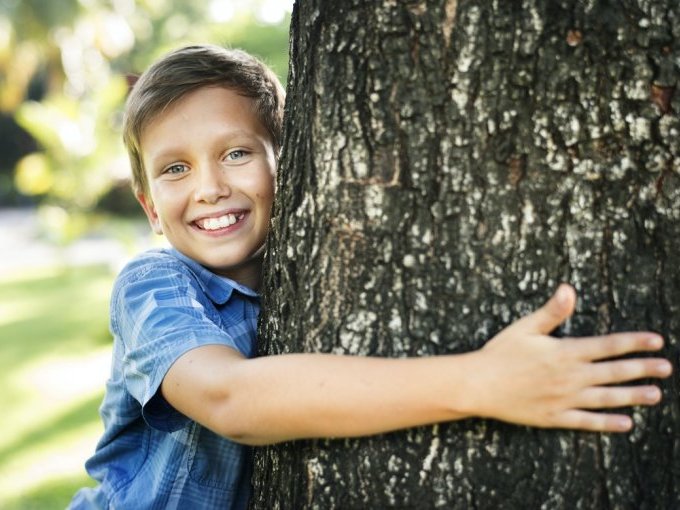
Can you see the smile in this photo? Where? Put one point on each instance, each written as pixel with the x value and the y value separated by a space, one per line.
pixel 220 222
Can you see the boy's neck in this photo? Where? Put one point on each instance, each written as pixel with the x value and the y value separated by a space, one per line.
pixel 248 274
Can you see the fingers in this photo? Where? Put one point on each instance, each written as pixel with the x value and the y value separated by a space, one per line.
pixel 553 313
pixel 612 372
pixel 607 398
pixel 617 344
pixel 594 422
pixel 582 418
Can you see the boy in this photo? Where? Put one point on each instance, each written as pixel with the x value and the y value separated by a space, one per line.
pixel 185 395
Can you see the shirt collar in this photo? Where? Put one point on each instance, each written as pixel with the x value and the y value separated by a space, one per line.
pixel 217 288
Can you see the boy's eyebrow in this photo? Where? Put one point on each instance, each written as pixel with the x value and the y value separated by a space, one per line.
pixel 171 151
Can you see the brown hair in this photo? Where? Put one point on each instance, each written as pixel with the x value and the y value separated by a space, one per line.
pixel 190 68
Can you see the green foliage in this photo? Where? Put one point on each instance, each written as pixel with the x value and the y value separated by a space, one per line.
pixel 63 76
pixel 79 144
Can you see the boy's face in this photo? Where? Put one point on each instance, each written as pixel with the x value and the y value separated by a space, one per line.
pixel 210 167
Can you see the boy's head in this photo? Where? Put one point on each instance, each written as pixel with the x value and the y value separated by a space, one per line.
pixel 202 129
pixel 190 68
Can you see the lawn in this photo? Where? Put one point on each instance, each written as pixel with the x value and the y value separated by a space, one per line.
pixel 55 356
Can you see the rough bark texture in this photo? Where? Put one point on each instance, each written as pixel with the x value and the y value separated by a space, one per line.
pixel 446 165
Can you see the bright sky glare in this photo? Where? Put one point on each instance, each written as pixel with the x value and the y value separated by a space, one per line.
pixel 267 11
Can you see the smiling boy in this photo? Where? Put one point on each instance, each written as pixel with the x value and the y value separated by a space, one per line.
pixel 220 223
pixel 186 396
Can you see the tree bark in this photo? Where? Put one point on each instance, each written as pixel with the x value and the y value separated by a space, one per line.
pixel 445 166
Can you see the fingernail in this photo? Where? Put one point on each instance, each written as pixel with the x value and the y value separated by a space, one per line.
pixel 664 368
pixel 652 395
pixel 561 294
pixel 624 423
pixel 655 342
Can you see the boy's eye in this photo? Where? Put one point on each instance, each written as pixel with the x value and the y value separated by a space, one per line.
pixel 175 169
pixel 236 155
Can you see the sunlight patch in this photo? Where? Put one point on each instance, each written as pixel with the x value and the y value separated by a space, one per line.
pixel 60 379
pixel 13 312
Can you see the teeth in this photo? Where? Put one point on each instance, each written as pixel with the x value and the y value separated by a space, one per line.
pixel 221 222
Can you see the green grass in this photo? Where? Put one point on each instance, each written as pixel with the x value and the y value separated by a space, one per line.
pixel 55 354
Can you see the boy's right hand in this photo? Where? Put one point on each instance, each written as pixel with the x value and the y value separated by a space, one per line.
pixel 530 378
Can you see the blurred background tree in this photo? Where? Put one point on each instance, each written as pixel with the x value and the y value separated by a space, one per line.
pixel 65 66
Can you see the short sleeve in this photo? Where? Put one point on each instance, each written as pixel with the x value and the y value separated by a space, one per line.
pixel 161 314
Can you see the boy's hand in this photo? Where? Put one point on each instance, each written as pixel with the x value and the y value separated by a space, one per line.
pixel 530 378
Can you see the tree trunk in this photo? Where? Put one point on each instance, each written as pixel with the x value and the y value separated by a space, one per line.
pixel 445 166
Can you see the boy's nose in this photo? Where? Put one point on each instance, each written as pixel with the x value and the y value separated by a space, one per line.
pixel 211 186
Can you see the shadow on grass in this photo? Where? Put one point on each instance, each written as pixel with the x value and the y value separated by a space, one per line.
pixel 48 432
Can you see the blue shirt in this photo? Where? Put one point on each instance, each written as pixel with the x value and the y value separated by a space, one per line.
pixel 151 456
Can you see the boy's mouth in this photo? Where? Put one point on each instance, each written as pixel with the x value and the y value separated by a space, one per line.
pixel 220 222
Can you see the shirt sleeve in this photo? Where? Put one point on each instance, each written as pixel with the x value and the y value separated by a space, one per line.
pixel 161 314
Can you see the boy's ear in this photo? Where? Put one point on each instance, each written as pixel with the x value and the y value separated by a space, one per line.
pixel 147 204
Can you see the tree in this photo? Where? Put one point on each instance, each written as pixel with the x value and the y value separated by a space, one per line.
pixel 445 165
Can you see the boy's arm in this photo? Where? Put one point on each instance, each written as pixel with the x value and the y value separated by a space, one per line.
pixel 521 376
